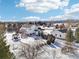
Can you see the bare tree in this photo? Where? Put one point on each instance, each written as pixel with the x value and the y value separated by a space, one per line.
pixel 32 52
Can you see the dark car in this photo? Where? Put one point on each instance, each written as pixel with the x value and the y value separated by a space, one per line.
pixel 15 38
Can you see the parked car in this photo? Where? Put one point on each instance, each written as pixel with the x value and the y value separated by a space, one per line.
pixel 15 37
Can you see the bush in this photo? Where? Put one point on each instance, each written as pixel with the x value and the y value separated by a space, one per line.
pixel 50 39
pixel 2 27
pixel 68 49
pixel 48 42
pixel 77 35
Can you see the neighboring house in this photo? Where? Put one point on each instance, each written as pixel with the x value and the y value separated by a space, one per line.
pixel 59 34
pixel 28 29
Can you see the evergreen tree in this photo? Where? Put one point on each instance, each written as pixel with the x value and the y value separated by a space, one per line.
pixel 77 35
pixel 68 48
pixel 4 49
pixel 69 36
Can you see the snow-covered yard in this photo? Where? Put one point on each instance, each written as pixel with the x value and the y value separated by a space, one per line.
pixel 52 51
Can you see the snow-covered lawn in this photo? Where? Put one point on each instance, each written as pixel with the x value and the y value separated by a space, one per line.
pixel 53 51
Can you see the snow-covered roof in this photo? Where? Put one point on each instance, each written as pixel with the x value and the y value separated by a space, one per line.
pixel 46 32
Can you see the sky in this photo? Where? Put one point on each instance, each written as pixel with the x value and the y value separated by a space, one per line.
pixel 44 10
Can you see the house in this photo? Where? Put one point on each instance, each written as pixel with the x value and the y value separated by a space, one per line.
pixel 59 33
pixel 28 29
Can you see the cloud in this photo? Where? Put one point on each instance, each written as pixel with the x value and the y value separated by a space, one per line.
pixel 9 20
pixel 42 6
pixel 34 18
pixel 74 9
pixel 71 13
pixel 31 18
pixel 64 17
pixel 58 17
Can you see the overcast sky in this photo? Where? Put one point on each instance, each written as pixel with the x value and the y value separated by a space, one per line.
pixel 20 10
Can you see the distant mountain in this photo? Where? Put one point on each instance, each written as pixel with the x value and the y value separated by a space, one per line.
pixel 55 21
